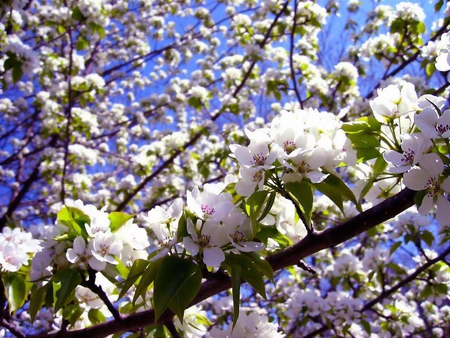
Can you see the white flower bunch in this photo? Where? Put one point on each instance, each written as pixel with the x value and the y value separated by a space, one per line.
pixel 216 226
pixel 301 144
pixel 422 169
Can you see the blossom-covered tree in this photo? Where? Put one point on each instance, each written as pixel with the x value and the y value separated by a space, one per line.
pixel 233 168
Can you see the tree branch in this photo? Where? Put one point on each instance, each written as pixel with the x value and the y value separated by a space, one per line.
pixel 311 244
pixel 16 201
pixel 291 54
pixel 405 281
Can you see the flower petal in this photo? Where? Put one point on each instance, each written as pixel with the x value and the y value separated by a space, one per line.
pixel 213 256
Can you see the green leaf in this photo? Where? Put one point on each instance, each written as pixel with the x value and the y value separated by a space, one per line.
pixel 364 154
pixel 438 5
pixel 254 205
pixel 426 292
pixel 64 283
pixel 268 206
pixel 60 29
pixel 72 313
pixel 187 291
pixel 77 14
pixel 366 325
pixel 261 264
pixel 441 288
pixel 17 71
pixel 147 278
pixel 363 125
pixel 430 68
pixel 82 43
pixel 176 284
pixel 303 194
pixel 96 316
pixel 364 140
pixel 100 30
pixel 236 278
pixel 10 61
pixel 37 300
pixel 195 102
pixel 427 237
pixel 136 271
pixel 272 232
pixel 379 166
pixel 418 197
pixel 250 272
pixel 74 219
pixel 335 189
pixel 121 268
pixel 118 219
pixel 394 247
pixel 182 227
pixel 15 290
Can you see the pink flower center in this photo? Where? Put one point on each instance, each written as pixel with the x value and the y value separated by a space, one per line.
pixel 207 210
pixel 104 249
pixel 408 156
pixel 289 146
pixel 203 241
pixel 303 167
pixel 258 176
pixel 442 128
pixel 258 160
pixel 433 187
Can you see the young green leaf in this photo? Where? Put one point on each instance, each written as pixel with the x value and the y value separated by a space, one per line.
pixel 335 189
pixel 72 313
pixel 272 232
pixel 136 271
pixel 118 219
pixel 37 300
pixel 250 272
pixel 96 316
pixel 254 205
pixel 187 291
pixel 64 283
pixel 261 264
pixel 15 290
pixel 303 194
pixel 74 219
pixel 147 278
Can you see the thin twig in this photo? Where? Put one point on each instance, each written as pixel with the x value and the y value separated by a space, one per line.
pixel 405 281
pixel 97 289
pixel 291 53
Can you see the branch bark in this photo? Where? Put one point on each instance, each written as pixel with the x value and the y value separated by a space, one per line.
pixel 311 244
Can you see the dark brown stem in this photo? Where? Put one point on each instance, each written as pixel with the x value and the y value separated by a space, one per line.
pixel 405 281
pixel 20 195
pixel 90 284
pixel 291 54
pixel 11 329
pixel 68 114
